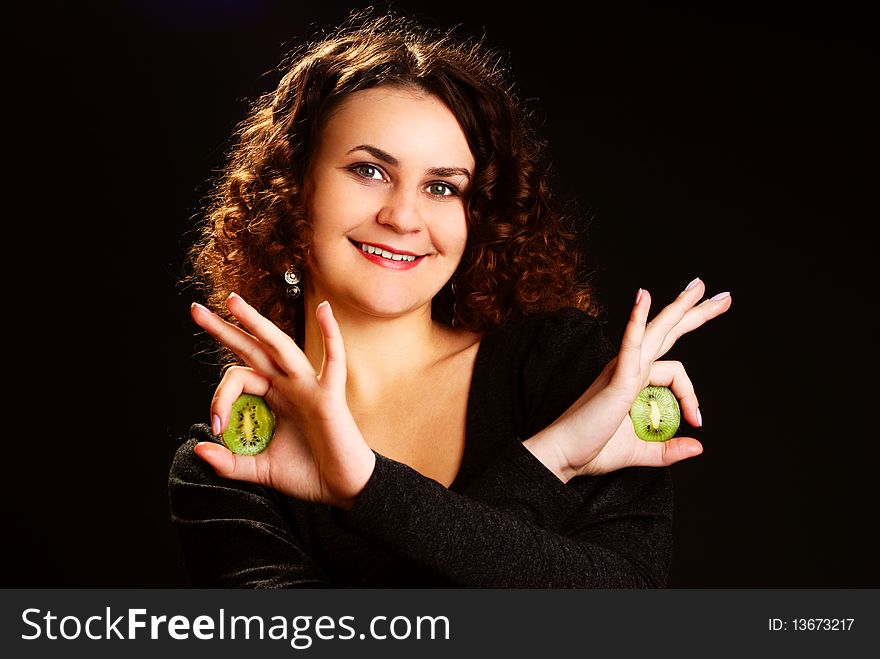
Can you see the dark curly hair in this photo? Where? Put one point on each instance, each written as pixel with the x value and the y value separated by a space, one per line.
pixel 523 254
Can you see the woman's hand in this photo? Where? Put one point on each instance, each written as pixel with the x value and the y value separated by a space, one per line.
pixel 595 435
pixel 318 453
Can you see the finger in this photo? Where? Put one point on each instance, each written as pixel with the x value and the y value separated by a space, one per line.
pixel 236 381
pixel 279 345
pixel 669 317
pixel 629 357
pixel 227 464
pixel 333 369
pixel 663 454
pixel 694 318
pixel 673 375
pixel 236 339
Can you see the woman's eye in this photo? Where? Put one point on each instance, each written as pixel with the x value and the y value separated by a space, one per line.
pixel 440 189
pixel 368 171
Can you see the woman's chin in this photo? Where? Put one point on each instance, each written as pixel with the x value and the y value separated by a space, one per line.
pixel 390 307
pixel 377 301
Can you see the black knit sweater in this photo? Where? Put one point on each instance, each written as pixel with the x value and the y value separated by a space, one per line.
pixel 505 522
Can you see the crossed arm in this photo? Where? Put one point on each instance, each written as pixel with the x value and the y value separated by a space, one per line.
pixel 555 539
pixel 320 455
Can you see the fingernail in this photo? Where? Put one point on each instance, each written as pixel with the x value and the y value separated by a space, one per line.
pixel 720 296
pixel 692 284
pixel 699 418
pixel 196 305
pixel 233 294
pixel 638 296
pixel 215 424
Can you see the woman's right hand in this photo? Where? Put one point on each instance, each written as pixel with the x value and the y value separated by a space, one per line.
pixel 595 435
pixel 318 453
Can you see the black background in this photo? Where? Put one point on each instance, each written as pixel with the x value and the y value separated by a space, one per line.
pixel 730 143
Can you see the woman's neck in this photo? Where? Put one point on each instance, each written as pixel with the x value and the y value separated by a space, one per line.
pixel 380 352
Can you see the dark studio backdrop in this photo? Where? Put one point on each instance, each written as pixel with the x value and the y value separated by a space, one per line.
pixel 733 144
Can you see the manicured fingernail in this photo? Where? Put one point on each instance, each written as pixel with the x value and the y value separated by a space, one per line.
pixel 233 294
pixel 692 284
pixel 215 424
pixel 699 418
pixel 720 296
pixel 638 296
pixel 196 305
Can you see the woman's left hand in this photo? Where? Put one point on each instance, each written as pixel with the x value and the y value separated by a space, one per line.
pixel 318 453
pixel 596 435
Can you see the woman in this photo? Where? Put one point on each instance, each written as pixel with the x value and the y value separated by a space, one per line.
pixel 387 267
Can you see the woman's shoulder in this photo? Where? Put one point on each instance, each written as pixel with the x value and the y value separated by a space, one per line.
pixel 564 318
pixel 189 474
pixel 188 467
pixel 541 363
pixel 552 336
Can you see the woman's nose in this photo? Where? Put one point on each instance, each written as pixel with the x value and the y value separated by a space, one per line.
pixel 400 212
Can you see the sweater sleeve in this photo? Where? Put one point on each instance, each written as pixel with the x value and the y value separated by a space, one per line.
pixel 232 534
pixel 516 525
pixel 563 354
pixel 618 539
pixel 552 359
pixel 513 525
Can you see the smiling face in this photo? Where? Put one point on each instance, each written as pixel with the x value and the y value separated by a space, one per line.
pixel 383 194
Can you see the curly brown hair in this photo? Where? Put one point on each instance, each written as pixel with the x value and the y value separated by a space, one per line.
pixel 523 254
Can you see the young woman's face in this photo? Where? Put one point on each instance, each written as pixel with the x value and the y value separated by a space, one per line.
pixel 384 197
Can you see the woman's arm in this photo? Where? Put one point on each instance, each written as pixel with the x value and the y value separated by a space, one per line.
pixel 607 532
pixel 319 458
pixel 612 530
pixel 516 525
pixel 319 453
pixel 232 533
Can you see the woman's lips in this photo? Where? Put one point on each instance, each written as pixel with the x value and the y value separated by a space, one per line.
pixel 386 256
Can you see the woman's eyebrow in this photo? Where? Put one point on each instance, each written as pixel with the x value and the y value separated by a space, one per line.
pixel 386 157
pixel 376 152
pixel 449 171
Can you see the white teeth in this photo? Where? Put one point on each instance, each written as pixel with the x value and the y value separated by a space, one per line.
pixel 385 254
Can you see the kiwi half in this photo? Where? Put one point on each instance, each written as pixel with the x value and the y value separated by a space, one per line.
pixel 251 425
pixel 655 414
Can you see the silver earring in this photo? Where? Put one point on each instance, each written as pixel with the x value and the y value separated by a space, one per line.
pixel 291 277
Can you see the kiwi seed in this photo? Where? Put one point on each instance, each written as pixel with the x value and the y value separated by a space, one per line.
pixel 251 425
pixel 655 414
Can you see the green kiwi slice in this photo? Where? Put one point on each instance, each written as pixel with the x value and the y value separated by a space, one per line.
pixel 655 414
pixel 251 425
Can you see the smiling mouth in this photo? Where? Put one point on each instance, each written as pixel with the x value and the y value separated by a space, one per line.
pixel 385 253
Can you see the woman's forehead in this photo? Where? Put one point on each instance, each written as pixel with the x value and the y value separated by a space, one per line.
pixel 409 124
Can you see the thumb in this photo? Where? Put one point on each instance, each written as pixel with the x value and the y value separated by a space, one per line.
pixel 226 463
pixel 333 370
pixel 675 450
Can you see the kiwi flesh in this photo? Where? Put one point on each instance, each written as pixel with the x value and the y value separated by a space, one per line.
pixel 655 414
pixel 251 425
